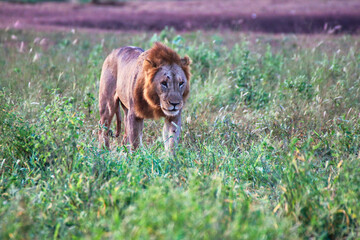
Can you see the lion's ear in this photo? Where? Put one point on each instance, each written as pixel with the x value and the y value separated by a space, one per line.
pixel 185 61
pixel 153 64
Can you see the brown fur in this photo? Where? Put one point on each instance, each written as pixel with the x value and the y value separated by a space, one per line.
pixel 135 79
pixel 159 55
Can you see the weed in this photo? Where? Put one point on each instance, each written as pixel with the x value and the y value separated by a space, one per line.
pixel 269 146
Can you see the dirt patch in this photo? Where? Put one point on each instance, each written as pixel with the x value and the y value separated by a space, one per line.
pixel 333 16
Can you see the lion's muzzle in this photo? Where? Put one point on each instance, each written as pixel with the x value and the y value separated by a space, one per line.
pixel 171 108
pixel 171 113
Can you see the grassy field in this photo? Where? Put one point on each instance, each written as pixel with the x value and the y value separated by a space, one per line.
pixel 270 147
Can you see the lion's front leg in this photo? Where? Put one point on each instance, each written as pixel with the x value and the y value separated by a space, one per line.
pixel 134 130
pixel 171 132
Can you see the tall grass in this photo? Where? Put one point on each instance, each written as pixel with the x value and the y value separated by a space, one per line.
pixel 269 148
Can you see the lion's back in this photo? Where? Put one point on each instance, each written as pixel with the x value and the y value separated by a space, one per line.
pixel 128 54
pixel 127 68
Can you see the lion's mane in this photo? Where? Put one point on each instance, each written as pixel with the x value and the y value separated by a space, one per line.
pixel 147 104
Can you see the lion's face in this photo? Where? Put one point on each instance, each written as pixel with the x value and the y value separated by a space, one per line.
pixel 166 82
pixel 170 84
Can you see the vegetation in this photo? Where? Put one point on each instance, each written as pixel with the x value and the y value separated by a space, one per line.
pixel 270 147
pixel 32 1
pixel 77 1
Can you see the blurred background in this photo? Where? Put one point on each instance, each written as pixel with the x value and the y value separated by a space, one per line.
pixel 274 16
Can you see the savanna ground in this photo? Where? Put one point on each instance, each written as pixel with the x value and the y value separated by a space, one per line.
pixel 270 147
pixel 271 16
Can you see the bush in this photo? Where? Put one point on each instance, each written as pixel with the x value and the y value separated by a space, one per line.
pixel 58 133
pixel 16 147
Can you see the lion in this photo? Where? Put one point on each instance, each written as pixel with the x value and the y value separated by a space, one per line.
pixel 148 85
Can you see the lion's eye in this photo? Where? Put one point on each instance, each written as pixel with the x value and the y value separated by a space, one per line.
pixel 181 84
pixel 164 84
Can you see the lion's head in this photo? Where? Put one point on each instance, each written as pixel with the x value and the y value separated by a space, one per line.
pixel 167 79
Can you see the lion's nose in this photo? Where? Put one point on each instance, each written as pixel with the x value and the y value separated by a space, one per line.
pixel 174 103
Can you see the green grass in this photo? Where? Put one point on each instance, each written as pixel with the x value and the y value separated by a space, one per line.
pixel 270 147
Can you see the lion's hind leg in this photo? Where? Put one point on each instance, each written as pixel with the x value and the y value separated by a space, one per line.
pixel 105 121
pixel 108 101
pixel 118 118
pixel 108 108
pixel 125 138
